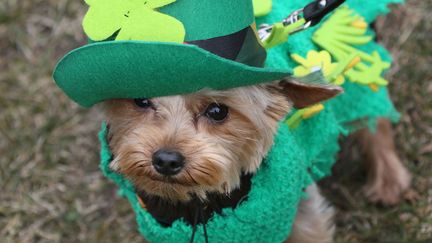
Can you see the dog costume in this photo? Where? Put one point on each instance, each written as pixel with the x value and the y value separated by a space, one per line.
pixel 168 47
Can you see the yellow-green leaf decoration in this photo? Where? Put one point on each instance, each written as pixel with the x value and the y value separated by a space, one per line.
pixel 333 71
pixel 316 61
pixel 280 33
pixel 133 20
pixel 262 7
pixel 339 35
pixel 296 119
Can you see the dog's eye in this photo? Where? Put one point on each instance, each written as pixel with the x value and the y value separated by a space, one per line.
pixel 217 112
pixel 143 103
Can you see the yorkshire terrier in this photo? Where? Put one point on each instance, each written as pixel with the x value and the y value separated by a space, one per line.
pixel 201 147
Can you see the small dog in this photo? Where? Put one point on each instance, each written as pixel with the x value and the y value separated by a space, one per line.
pixel 195 146
pixel 191 156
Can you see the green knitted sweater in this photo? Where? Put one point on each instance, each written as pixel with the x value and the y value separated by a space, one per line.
pixel 299 156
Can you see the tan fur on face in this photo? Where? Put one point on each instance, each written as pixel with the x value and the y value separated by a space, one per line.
pixel 216 153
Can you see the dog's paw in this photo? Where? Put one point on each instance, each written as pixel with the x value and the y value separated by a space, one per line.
pixel 389 180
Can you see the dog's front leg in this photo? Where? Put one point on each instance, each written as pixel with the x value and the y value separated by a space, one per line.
pixel 314 220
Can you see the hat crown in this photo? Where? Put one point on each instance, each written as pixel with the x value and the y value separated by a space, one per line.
pixel 165 20
pixel 205 19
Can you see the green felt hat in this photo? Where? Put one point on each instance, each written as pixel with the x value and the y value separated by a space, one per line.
pixel 152 48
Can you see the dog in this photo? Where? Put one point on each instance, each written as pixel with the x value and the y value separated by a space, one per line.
pixel 198 144
pixel 193 110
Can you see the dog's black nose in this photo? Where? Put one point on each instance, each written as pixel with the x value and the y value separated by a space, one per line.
pixel 168 162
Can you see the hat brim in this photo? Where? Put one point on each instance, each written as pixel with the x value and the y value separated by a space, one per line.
pixel 137 69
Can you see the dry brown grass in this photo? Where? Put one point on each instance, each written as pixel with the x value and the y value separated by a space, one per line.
pixel 53 191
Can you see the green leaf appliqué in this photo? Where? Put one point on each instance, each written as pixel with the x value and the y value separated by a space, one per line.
pixel 133 20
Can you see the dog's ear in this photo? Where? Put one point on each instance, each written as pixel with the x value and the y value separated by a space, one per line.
pixel 305 94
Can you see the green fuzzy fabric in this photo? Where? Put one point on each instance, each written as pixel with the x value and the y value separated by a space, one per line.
pixel 357 107
pixel 299 157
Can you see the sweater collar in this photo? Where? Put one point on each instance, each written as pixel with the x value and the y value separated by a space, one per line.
pixel 267 214
pixel 195 211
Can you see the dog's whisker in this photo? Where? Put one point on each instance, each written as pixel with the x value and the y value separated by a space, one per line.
pixel 202 171
pixel 251 139
pixel 135 152
pixel 192 178
pixel 137 164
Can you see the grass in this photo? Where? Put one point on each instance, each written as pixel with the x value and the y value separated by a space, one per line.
pixel 53 191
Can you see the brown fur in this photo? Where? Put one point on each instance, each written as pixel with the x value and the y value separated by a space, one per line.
pixel 302 95
pixel 314 221
pixel 387 176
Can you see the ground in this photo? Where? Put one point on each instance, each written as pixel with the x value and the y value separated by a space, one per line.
pixel 51 186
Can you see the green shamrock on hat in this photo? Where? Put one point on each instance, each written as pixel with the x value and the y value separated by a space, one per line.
pixel 133 20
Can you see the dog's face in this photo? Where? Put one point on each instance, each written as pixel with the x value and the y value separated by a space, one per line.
pixel 179 146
